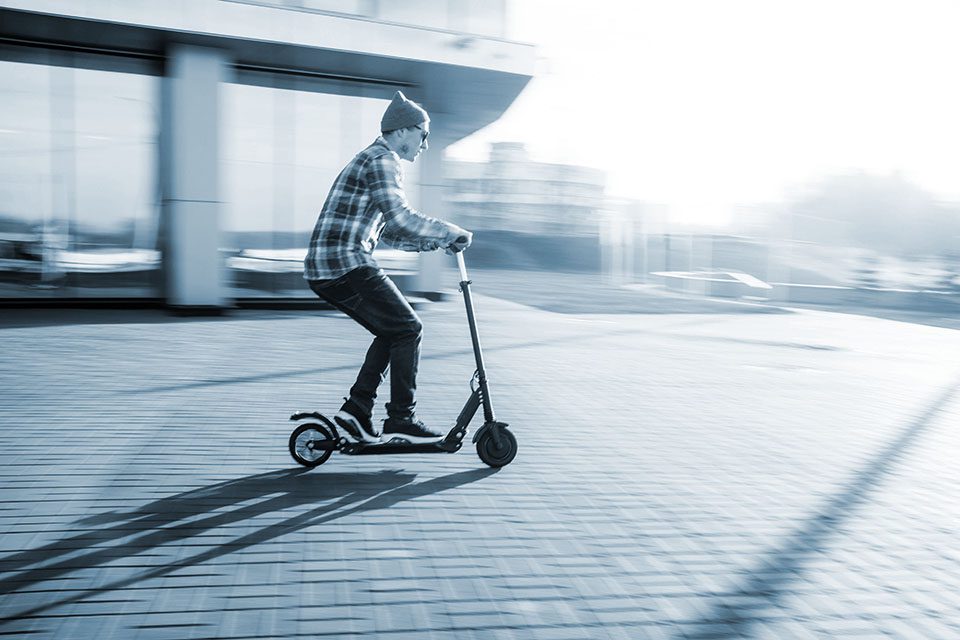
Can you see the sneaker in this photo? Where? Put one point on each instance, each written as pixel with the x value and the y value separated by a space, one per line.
pixel 409 430
pixel 352 419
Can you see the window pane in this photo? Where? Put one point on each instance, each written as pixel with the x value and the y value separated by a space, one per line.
pixel 78 202
pixel 116 199
pixel 25 177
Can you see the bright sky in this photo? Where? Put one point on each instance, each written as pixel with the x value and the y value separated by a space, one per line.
pixel 705 104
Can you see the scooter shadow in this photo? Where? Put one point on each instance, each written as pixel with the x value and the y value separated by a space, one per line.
pixel 192 514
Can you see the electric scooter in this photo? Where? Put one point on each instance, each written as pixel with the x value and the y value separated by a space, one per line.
pixel 312 443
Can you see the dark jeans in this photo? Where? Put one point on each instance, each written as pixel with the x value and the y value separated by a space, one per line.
pixel 368 296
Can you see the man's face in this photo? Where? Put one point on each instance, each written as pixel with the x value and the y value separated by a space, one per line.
pixel 414 141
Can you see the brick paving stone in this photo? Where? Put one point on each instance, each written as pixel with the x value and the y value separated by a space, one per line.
pixel 679 476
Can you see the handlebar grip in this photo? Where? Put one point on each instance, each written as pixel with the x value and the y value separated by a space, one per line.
pixel 453 246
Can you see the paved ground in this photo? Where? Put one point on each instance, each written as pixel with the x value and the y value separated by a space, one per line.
pixel 787 475
pixel 589 293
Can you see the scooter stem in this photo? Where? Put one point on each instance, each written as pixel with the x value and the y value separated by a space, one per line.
pixel 475 338
pixel 463 267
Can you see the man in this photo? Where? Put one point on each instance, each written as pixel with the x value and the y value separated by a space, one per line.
pixel 367 204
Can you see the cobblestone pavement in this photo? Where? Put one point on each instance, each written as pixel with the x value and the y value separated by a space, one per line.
pixel 679 476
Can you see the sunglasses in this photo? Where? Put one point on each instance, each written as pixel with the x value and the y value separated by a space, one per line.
pixel 423 133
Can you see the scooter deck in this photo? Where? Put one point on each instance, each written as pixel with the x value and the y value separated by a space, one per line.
pixel 450 444
pixel 365 449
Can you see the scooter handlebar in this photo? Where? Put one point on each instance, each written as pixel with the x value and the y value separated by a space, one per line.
pixel 455 247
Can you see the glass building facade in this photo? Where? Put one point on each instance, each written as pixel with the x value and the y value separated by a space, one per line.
pixel 79 183
pixel 79 204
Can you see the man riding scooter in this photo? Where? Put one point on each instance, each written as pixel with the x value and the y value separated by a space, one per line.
pixel 365 205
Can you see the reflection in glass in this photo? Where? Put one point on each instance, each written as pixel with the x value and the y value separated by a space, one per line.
pixel 78 202
pixel 25 179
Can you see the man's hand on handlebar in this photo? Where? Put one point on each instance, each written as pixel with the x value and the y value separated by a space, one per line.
pixel 459 243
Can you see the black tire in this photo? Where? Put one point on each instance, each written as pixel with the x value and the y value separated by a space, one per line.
pixel 300 441
pixel 492 455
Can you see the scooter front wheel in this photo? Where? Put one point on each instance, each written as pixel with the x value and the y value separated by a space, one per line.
pixel 311 444
pixel 496 456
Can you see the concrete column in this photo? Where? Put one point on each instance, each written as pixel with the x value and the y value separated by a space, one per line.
pixel 190 166
pixel 433 265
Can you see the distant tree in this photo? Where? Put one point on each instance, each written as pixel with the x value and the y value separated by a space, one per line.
pixel 951 275
pixel 884 213
pixel 866 273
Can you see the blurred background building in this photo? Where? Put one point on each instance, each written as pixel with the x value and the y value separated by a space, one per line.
pixel 512 193
pixel 181 151
pixel 528 214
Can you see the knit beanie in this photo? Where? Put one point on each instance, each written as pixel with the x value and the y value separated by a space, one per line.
pixel 402 113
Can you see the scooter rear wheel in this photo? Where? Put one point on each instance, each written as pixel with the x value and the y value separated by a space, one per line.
pixel 302 444
pixel 496 456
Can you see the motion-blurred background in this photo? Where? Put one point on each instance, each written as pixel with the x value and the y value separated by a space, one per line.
pixel 178 152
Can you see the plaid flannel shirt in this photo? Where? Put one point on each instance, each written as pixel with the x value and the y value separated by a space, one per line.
pixel 367 204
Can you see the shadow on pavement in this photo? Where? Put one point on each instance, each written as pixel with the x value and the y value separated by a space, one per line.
pixel 189 515
pixel 732 614
pixel 353 367
pixel 572 337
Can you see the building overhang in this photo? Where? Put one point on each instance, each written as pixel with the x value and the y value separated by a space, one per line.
pixel 465 81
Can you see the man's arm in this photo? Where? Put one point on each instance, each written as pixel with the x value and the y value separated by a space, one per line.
pixel 405 227
pixel 392 237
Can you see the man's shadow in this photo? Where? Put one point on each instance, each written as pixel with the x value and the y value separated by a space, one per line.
pixel 185 515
